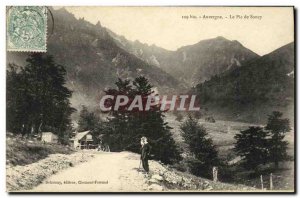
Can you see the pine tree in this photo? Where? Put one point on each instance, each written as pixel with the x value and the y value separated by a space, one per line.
pixel 252 146
pixel 16 104
pixel 118 129
pixel 37 91
pixel 87 120
pixel 201 146
pixel 127 127
pixel 277 146
pixel 90 121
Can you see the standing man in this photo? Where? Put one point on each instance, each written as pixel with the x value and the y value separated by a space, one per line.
pixel 145 153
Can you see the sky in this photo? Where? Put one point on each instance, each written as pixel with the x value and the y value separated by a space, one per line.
pixel 268 29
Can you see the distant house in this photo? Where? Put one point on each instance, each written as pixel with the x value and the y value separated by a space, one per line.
pixel 49 137
pixel 84 140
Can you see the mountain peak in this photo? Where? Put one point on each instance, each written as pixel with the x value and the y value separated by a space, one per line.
pixel 221 38
pixel 98 24
pixel 63 13
pixel 208 58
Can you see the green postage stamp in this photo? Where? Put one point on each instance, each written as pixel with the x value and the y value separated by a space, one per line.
pixel 26 28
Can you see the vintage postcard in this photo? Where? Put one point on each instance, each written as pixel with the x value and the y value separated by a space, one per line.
pixel 150 99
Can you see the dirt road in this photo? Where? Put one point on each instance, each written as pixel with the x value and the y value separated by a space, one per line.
pixel 106 172
pixel 118 172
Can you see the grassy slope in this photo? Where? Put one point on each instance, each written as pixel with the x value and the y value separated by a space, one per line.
pixel 222 134
pixel 21 151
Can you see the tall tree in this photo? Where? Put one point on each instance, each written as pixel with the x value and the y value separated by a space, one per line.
pixel 87 120
pixel 252 145
pixel 90 121
pixel 38 91
pixel 127 127
pixel 16 98
pixel 118 128
pixel 277 145
pixel 201 146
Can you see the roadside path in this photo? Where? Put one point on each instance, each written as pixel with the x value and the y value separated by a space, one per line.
pixel 107 172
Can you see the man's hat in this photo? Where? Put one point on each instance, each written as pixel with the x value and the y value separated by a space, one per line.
pixel 144 138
